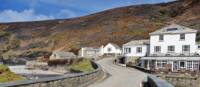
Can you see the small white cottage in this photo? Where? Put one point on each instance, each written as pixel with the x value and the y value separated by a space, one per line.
pixel 90 52
pixel 111 49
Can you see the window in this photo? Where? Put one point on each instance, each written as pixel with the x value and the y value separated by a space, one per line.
pixel 186 48
pixel 157 48
pixel 161 38
pixel 161 63
pixel 171 48
pixel 189 64
pixel 109 49
pixel 139 50
pixel 182 64
pixel 172 29
pixel 198 46
pixel 182 36
pixel 195 65
pixel 127 50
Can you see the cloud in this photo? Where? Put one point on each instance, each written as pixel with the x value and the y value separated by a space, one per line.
pixel 65 13
pixel 25 15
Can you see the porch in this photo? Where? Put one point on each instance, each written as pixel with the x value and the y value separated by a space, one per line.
pixel 171 64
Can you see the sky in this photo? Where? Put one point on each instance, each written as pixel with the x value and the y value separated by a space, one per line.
pixel 35 10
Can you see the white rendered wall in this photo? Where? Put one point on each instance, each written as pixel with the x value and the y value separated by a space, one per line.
pixel 113 49
pixel 133 51
pixel 173 39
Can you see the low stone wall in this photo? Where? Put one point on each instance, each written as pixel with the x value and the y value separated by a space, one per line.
pixel 153 81
pixel 140 68
pixel 179 81
pixel 79 79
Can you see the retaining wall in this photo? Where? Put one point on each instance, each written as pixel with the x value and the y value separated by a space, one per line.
pixel 79 79
pixel 153 81
pixel 179 81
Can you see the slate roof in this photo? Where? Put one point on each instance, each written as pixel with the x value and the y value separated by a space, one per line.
pixel 64 55
pixel 173 29
pixel 91 48
pixel 137 42
pixel 115 45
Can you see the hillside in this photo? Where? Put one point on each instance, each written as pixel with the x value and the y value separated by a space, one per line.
pixel 118 25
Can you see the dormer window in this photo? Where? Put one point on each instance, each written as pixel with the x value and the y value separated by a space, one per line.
pixel 172 29
pixel 182 36
pixel 161 38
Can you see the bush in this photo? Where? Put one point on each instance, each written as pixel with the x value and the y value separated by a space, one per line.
pixel 3 68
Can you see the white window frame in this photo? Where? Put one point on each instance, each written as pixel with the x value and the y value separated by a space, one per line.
pixel 195 65
pixel 109 49
pixel 180 64
pixel 171 48
pixel 190 65
pixel 127 50
pixel 198 46
pixel 182 36
pixel 138 49
pixel 157 49
pixel 161 37
pixel 161 63
pixel 186 49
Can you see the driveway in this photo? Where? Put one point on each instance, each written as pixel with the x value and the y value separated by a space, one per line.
pixel 119 76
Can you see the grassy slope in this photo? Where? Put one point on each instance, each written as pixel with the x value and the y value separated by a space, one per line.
pixel 118 25
pixel 83 65
pixel 6 75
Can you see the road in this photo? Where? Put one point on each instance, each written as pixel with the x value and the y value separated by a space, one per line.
pixel 119 76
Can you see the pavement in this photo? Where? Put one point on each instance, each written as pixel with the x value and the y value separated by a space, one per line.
pixel 119 76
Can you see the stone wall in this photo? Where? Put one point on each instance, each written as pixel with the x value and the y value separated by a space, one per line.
pixel 179 81
pixel 153 81
pixel 79 79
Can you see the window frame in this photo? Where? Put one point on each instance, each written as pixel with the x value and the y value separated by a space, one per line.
pixel 182 36
pixel 161 37
pixel 171 48
pixel 161 63
pixel 189 64
pixel 183 63
pixel 127 50
pixel 198 46
pixel 156 49
pixel 138 49
pixel 109 49
pixel 185 49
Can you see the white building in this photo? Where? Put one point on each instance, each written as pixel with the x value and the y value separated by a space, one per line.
pixel 173 48
pixel 135 49
pixel 95 52
pixel 90 52
pixel 111 49
pixel 173 39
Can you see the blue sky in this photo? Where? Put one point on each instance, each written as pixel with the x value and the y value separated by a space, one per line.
pixel 34 10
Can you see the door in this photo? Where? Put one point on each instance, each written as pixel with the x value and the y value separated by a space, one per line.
pixel 175 66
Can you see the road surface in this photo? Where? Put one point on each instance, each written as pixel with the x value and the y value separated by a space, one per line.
pixel 119 76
